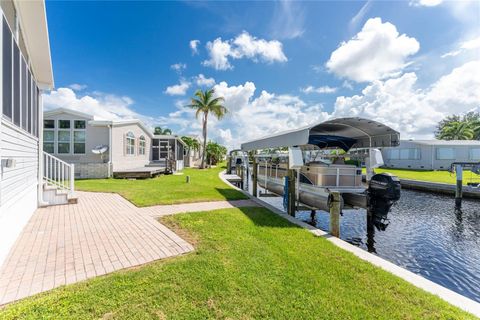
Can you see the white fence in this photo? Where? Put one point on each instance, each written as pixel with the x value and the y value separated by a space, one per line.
pixel 58 173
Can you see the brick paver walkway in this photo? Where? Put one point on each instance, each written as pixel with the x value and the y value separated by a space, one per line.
pixel 69 243
pixel 165 210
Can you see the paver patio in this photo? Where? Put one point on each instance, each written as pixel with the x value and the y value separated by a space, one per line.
pixel 69 243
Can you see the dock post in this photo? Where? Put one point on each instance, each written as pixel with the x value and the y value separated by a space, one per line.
pixel 242 177
pixel 291 193
pixel 254 175
pixel 458 190
pixel 335 208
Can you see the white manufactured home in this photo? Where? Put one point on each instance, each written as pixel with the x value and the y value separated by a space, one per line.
pixel 102 148
pixel 431 154
pixel 25 70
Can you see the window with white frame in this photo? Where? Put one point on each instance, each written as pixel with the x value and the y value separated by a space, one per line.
pixel 141 145
pixel 49 136
pixel 403 154
pixel 64 136
pixel 443 153
pixel 475 154
pixel 130 143
pixel 19 90
pixel 79 136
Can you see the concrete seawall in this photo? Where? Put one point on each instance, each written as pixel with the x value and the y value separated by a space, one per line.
pixel 444 188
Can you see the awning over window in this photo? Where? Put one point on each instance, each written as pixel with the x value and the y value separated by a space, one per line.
pixel 344 133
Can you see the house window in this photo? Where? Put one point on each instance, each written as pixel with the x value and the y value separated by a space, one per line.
pixel 16 85
pixel 79 141
pixel 64 136
pixel 141 145
pixel 130 143
pixel 475 154
pixel 445 153
pixel 7 70
pixel 49 136
pixel 79 136
pixel 23 86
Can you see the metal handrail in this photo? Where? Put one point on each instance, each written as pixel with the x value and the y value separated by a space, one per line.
pixel 58 173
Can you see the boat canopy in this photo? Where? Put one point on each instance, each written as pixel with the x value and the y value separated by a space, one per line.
pixel 344 133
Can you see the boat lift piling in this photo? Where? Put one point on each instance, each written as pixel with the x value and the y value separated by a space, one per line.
pixel 459 189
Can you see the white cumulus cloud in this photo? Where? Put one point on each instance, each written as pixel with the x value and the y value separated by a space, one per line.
pixel 425 3
pixel 179 67
pixel 178 89
pixel 243 46
pixel 415 112
pixel 194 46
pixel 100 105
pixel 203 81
pixel 77 86
pixel 376 52
pixel 322 89
pixel 473 44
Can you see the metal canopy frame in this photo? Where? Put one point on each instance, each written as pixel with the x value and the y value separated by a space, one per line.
pixel 367 133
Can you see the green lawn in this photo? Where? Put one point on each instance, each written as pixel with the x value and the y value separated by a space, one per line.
pixel 167 189
pixel 433 176
pixel 248 264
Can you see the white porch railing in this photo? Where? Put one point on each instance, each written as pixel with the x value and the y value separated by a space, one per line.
pixel 58 173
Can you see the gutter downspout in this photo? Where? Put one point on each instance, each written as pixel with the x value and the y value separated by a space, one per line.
pixel 109 150
pixel 41 202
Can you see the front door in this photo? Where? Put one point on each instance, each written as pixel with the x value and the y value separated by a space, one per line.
pixel 155 150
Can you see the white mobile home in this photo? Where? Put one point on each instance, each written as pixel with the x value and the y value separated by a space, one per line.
pixel 431 154
pixel 75 138
pixel 25 68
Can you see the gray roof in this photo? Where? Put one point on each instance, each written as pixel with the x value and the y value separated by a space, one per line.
pixel 367 133
pixel 445 142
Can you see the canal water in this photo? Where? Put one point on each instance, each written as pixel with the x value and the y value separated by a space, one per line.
pixel 423 233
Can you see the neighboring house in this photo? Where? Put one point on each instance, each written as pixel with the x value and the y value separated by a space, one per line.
pixel 25 69
pixel 431 154
pixel 73 137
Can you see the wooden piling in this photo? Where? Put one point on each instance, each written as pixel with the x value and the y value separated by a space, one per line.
pixel 254 175
pixel 335 208
pixel 291 193
pixel 459 188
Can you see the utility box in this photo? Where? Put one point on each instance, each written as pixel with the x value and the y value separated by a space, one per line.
pixel 295 158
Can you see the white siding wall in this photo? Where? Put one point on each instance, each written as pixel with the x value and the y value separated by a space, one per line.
pixel 120 159
pixel 18 185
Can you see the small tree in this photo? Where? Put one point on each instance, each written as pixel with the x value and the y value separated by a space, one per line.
pixel 159 131
pixel 192 144
pixel 215 152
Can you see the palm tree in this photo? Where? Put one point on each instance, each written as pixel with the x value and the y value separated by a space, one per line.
pixel 160 131
pixel 205 103
pixel 475 125
pixel 458 130
pixel 192 143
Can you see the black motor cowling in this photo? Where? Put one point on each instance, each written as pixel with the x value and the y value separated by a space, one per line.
pixel 384 186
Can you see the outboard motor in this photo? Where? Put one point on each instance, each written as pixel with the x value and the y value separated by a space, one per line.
pixel 383 191
pixel 385 186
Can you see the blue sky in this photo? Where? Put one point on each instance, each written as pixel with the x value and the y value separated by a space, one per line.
pixel 280 65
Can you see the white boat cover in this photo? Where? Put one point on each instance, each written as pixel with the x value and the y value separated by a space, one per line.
pixel 345 133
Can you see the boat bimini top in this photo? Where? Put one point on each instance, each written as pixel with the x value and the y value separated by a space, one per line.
pixel 344 133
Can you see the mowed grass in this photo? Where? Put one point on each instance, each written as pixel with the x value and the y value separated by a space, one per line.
pixel 167 189
pixel 248 264
pixel 433 176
